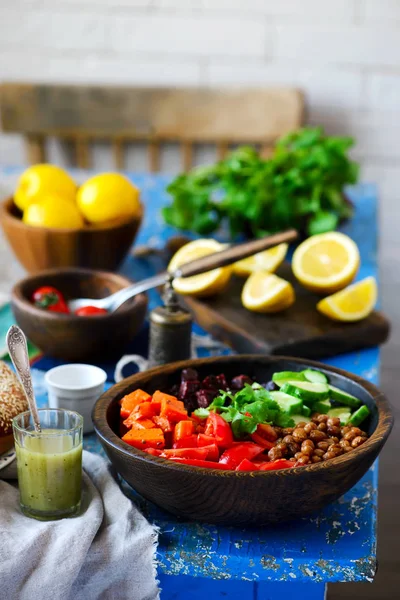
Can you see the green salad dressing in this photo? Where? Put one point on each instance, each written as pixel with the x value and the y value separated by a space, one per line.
pixel 49 471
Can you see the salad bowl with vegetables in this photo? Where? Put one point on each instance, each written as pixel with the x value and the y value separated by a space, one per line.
pixel 242 439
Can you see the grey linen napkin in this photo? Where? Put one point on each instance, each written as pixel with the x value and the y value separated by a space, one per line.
pixel 105 553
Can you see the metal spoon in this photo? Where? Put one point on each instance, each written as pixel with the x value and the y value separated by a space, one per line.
pixel 18 349
pixel 195 267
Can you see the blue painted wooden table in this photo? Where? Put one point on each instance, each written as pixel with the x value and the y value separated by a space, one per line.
pixel 293 560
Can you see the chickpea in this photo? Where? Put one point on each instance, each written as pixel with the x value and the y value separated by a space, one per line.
pixel 333 430
pixel 308 427
pixel 345 430
pixel 288 439
pixel 358 441
pixel 322 418
pixel 349 436
pixel 319 452
pixel 303 460
pixel 300 425
pixel 316 459
pixel 323 446
pixel 329 455
pixel 322 427
pixel 334 439
pixel 299 435
pixel 345 445
pixel 282 447
pixel 317 436
pixel 275 453
pixel 287 431
pixel 333 422
pixel 294 447
pixel 356 430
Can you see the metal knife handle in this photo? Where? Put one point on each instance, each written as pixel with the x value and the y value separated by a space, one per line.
pixel 233 254
pixel 17 347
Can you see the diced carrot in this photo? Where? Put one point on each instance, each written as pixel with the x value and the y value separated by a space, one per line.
pixel 160 396
pixel 163 423
pixel 186 442
pixel 173 410
pixel 145 438
pixel 143 424
pixel 129 402
pixel 145 410
pixel 157 406
pixel 183 429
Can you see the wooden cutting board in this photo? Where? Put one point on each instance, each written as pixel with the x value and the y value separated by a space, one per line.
pixel 299 331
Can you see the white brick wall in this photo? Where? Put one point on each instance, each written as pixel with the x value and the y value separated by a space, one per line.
pixel 345 54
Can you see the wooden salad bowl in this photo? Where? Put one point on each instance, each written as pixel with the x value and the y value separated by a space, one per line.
pixel 73 338
pixel 232 497
pixel 93 246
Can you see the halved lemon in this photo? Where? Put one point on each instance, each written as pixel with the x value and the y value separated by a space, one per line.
pixel 206 284
pixel 327 262
pixel 267 293
pixel 268 260
pixel 351 304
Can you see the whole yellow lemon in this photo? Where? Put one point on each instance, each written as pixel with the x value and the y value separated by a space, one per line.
pixel 40 180
pixel 54 212
pixel 107 197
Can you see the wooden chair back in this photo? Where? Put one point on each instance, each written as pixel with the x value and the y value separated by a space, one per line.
pixel 189 116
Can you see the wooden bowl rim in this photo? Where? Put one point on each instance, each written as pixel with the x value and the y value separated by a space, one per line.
pixel 374 442
pixel 18 298
pixel 8 203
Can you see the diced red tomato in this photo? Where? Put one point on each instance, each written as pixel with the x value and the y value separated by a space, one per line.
pixel 258 439
pixel 246 465
pixel 205 440
pixel 153 451
pixel 267 432
pixel 219 429
pixel 213 451
pixel 277 464
pixel 130 401
pixel 187 442
pixel 194 462
pixel 163 423
pixel 145 438
pixel 234 456
pixel 183 429
pixel 199 453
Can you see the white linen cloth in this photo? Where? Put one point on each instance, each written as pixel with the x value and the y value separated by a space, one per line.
pixel 107 552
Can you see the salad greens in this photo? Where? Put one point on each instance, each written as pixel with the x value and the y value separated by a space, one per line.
pixel 300 186
pixel 246 409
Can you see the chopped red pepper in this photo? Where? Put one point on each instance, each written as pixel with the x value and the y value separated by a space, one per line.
pixel 205 440
pixel 51 299
pixel 199 453
pixel 194 462
pixel 89 311
pixel 183 429
pixel 213 451
pixel 219 429
pixel 187 442
pixel 247 465
pixel 234 456
pixel 153 451
pixel 277 464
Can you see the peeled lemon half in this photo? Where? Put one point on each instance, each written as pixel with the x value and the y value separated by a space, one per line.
pixel 268 260
pixel 351 304
pixel 267 293
pixel 326 263
pixel 206 284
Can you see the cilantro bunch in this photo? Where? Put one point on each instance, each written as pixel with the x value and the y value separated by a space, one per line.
pixel 246 409
pixel 300 186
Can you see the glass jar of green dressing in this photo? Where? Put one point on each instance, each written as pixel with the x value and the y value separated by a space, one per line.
pixel 49 463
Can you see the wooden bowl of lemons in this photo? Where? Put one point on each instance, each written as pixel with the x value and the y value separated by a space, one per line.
pixel 50 222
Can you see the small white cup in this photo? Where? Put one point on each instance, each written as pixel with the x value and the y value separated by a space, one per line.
pixel 76 387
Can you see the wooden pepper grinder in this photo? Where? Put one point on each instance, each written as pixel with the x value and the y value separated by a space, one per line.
pixel 170 330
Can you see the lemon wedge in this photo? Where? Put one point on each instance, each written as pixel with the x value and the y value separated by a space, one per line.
pixel 354 303
pixel 205 284
pixel 268 260
pixel 326 263
pixel 267 293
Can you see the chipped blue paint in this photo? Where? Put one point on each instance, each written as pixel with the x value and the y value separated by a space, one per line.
pixel 337 544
